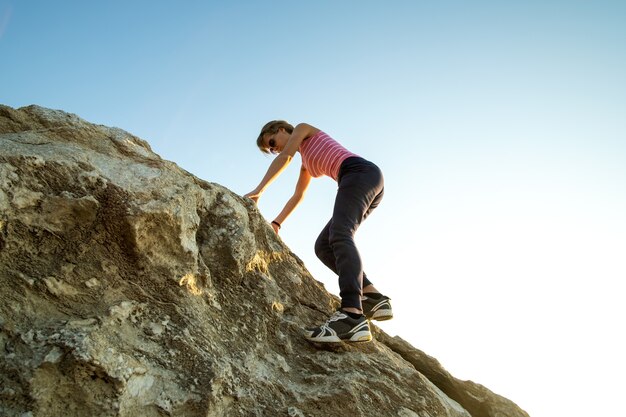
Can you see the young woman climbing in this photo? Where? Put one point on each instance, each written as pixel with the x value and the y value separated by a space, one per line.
pixel 360 190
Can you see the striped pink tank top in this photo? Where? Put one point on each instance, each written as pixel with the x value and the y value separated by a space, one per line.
pixel 322 155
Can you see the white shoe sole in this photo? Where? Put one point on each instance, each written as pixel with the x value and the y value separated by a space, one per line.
pixel 362 336
pixel 381 315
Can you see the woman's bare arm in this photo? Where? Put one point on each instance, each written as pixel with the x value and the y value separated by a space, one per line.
pixel 301 186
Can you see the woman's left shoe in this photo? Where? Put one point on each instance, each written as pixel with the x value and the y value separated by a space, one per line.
pixel 340 328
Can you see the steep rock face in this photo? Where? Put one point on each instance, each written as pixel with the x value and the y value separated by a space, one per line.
pixel 129 287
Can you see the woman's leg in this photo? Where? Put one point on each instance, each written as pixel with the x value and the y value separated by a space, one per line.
pixel 325 253
pixel 360 191
pixel 323 250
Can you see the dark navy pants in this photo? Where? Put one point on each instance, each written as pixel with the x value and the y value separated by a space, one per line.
pixel 361 188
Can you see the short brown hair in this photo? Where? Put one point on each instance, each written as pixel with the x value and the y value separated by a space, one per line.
pixel 271 128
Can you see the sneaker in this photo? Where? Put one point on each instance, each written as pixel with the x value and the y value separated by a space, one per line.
pixel 340 328
pixel 377 308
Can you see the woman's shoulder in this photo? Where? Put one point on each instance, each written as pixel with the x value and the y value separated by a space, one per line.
pixel 309 130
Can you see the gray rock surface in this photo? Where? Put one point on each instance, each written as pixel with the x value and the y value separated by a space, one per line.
pixel 129 287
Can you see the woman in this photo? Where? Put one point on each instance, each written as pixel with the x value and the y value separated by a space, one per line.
pixel 360 190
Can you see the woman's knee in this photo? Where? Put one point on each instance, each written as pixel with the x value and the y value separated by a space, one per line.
pixel 340 235
pixel 321 247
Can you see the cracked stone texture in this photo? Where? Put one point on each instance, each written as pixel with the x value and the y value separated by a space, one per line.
pixel 129 287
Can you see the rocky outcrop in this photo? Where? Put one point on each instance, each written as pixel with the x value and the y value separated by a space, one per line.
pixel 129 287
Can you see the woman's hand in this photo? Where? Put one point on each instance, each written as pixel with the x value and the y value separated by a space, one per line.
pixel 254 195
pixel 275 227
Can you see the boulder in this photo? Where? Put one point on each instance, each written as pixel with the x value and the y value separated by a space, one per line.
pixel 129 287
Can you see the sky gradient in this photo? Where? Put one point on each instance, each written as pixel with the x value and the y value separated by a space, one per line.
pixel 499 127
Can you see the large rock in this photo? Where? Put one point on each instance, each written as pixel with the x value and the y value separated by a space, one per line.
pixel 129 287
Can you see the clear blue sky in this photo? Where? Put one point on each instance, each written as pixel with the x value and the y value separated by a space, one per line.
pixel 500 127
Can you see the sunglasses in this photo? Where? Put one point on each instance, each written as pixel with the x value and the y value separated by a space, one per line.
pixel 272 144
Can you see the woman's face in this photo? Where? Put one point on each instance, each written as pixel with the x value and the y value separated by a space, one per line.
pixel 276 142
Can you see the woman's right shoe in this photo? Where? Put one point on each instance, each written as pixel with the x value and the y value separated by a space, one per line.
pixel 378 308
